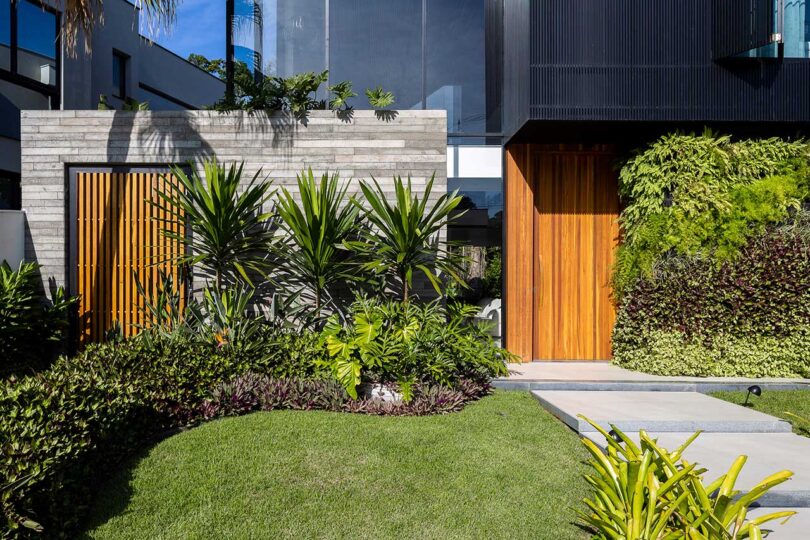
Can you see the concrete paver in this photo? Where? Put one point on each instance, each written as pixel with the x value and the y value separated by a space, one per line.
pixel 657 412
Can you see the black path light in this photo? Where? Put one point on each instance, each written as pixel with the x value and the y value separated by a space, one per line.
pixel 615 436
pixel 754 389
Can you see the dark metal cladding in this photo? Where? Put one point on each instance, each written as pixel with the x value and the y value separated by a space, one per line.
pixel 646 60
pixel 741 25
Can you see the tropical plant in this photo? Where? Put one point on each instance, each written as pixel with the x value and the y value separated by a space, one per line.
pixel 298 91
pixel 230 232
pixel 403 344
pixel 404 237
pixel 379 98
pixel 226 317
pixel 341 94
pixel 31 326
pixel 801 422
pixel 316 228
pixel 163 314
pixel 704 195
pixel 645 492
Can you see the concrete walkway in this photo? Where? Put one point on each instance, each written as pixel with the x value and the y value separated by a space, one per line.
pixel 606 376
pixel 672 416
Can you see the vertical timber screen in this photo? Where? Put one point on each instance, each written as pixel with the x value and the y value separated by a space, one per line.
pixel 118 237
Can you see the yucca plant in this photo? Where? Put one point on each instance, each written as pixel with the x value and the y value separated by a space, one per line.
pixel 644 492
pixel 316 229
pixel 404 237
pixel 230 232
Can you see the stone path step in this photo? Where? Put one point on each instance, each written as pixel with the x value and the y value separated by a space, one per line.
pixel 656 412
pixel 767 453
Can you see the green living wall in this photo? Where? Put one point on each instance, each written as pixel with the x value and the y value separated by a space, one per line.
pixel 713 274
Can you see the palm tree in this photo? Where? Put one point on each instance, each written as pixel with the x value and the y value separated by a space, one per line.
pixel 83 15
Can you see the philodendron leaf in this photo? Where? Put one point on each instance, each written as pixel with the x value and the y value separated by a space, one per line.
pixel 348 373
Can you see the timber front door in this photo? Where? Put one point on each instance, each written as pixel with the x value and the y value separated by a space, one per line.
pixel 561 232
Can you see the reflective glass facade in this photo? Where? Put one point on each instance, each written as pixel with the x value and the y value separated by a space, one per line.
pixel 429 53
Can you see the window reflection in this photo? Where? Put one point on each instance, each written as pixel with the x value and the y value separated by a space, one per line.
pixel 36 43
pixel 378 43
pixel 480 230
pixel 455 63
pixel 5 34
pixel 434 58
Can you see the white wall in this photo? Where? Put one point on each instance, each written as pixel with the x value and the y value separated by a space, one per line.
pixel 12 241
pixel 474 161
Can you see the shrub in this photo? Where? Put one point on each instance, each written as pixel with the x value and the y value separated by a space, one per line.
pixel 643 491
pixel 252 392
pixel 407 344
pixel 672 353
pixel 32 328
pixel 765 291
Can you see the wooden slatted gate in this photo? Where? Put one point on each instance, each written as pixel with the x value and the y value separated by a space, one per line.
pixel 118 234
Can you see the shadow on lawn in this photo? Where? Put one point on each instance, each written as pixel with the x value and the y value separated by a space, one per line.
pixel 116 487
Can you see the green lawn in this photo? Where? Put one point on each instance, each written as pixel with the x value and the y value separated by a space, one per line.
pixel 777 403
pixel 502 468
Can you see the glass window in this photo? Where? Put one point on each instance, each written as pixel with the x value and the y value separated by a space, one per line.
pixel 375 43
pixel 796 36
pixel 119 75
pixel 480 230
pixel 10 195
pixel 5 34
pixel 36 43
pixel 455 68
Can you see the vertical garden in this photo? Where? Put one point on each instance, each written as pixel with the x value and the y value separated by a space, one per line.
pixel 712 277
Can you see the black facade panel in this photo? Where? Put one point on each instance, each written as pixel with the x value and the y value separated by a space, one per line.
pixel 516 64
pixel 651 60
pixel 741 25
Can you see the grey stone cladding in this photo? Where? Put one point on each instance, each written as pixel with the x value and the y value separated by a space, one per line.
pixel 358 144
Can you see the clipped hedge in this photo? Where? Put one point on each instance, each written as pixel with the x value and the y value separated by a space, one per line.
pixel 746 317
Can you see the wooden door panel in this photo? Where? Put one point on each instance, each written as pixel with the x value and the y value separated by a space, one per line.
pixel 564 201
pixel 118 236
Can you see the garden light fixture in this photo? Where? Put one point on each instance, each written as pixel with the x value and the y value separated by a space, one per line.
pixel 754 389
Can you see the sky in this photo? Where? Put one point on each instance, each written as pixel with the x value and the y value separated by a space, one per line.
pixel 200 28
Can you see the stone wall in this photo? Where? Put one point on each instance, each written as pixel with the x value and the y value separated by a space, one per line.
pixel 359 144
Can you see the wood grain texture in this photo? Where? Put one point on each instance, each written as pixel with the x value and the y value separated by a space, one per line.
pixel 118 237
pixel 519 276
pixel 571 225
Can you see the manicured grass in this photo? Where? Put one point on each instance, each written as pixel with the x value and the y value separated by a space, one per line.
pixel 777 403
pixel 502 468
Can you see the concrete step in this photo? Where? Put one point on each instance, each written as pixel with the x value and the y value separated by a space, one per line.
pixel 705 387
pixel 767 453
pixel 658 412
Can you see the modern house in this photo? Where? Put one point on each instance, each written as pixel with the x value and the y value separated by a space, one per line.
pixel 38 73
pixel 556 90
pixel 541 100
